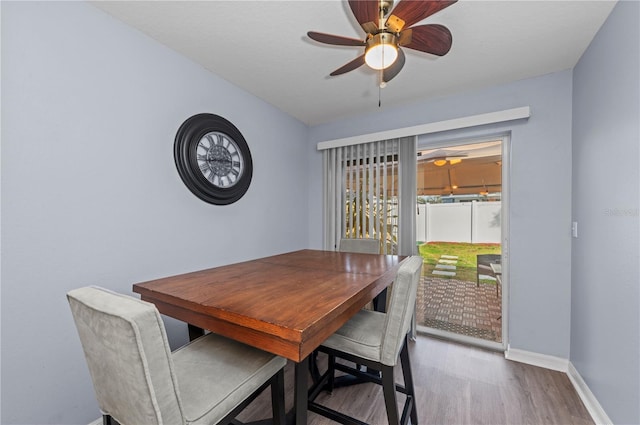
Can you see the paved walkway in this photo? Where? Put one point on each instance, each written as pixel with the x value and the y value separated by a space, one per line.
pixel 458 306
pixel 447 265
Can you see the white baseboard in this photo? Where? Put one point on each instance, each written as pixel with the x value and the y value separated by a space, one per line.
pixel 590 402
pixel 536 359
pixel 563 365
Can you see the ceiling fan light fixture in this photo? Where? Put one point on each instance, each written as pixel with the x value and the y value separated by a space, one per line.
pixel 439 162
pixel 454 161
pixel 382 51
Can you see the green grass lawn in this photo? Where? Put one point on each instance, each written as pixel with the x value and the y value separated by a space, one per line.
pixel 466 253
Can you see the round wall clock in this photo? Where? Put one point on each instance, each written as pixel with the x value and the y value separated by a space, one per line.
pixel 213 159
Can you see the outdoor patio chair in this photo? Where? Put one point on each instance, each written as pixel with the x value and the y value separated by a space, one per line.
pixel 138 380
pixel 483 265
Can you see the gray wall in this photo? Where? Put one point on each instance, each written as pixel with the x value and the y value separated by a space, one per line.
pixel 539 315
pixel 90 193
pixel 605 329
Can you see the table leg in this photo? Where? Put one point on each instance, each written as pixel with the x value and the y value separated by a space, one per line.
pixel 300 398
pixel 380 301
pixel 194 331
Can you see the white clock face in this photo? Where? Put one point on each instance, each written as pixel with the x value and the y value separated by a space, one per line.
pixel 219 159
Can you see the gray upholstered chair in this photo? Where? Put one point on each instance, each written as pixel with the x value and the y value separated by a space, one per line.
pixel 138 380
pixel 377 340
pixel 360 245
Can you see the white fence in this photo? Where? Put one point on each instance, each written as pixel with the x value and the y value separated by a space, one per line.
pixel 474 222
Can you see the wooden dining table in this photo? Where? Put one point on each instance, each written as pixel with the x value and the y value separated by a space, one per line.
pixel 286 304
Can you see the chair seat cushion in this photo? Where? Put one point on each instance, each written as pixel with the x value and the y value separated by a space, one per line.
pixel 360 336
pixel 215 374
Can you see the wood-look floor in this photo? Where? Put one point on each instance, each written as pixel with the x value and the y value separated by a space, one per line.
pixel 456 385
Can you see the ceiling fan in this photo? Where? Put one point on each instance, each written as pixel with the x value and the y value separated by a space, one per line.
pixel 440 157
pixel 387 30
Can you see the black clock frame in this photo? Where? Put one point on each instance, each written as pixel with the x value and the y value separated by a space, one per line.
pixel 184 152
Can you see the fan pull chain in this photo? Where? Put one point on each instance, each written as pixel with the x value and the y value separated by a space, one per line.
pixel 380 89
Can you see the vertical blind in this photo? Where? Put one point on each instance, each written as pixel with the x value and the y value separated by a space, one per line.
pixel 370 192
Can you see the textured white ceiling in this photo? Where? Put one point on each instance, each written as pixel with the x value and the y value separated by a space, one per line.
pixel 262 47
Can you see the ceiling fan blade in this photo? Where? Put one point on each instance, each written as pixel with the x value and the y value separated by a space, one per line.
pixel 366 12
pixel 356 63
pixel 395 68
pixel 432 38
pixel 412 11
pixel 335 40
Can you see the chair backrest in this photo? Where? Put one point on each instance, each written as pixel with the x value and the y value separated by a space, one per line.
pixel 400 310
pixel 129 359
pixel 486 259
pixel 360 245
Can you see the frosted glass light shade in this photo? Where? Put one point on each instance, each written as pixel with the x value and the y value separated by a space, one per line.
pixel 381 51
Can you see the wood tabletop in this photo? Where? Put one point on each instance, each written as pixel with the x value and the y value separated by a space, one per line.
pixel 287 304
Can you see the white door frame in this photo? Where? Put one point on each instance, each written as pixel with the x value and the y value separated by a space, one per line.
pixel 505 139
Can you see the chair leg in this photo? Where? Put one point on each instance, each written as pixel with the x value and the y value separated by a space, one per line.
pixel 331 369
pixel 408 380
pixel 390 399
pixel 313 366
pixel 277 398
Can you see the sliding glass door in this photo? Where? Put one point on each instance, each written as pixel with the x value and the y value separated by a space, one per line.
pixel 459 234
